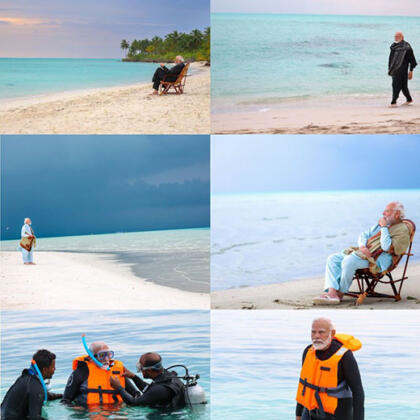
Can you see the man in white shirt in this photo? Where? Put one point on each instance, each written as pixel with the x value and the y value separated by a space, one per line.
pixel 27 243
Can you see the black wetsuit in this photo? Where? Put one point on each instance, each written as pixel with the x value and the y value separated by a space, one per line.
pixel 77 384
pixel 171 73
pixel 400 76
pixel 166 391
pixel 24 399
pixel 347 408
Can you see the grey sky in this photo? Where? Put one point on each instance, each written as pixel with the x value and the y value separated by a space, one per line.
pixel 346 7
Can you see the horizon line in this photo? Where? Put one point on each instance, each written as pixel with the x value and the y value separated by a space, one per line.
pixel 312 14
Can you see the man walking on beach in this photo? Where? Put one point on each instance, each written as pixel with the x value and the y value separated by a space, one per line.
pixel 27 242
pixel 401 58
pixel 171 74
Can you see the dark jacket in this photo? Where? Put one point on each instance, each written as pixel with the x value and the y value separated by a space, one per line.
pixel 25 398
pixel 166 391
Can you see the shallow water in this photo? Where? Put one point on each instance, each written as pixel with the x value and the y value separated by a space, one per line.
pixel 179 336
pixel 21 77
pixel 267 59
pixel 272 238
pixel 258 365
pixel 175 258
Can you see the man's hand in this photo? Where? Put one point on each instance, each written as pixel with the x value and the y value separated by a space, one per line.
pixel 383 222
pixel 128 373
pixel 365 251
pixel 410 75
pixel 298 418
pixel 114 381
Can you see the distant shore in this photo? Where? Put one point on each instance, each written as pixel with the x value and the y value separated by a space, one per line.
pixel 335 115
pixel 66 280
pixel 117 110
pixel 299 294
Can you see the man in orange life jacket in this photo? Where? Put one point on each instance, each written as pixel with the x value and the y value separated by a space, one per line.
pixel 330 386
pixel 89 384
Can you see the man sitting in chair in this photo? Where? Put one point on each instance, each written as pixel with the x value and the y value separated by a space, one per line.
pixel 386 240
pixel 171 74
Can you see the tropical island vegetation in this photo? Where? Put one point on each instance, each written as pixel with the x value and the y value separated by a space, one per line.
pixel 194 46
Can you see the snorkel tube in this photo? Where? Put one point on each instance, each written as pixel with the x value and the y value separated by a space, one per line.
pixel 41 379
pixel 95 360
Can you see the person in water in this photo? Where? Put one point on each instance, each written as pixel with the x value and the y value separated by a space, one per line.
pixel 165 390
pixel 378 247
pixel 401 64
pixel 27 242
pixel 329 363
pixel 89 384
pixel 171 74
pixel 25 397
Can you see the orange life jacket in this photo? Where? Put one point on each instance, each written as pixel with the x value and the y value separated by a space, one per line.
pixel 99 389
pixel 318 384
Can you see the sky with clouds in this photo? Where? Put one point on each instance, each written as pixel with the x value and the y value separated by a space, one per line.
pixel 273 163
pixel 78 185
pixel 93 28
pixel 339 7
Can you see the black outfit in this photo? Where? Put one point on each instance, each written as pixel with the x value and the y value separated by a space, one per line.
pixel 77 385
pixel 400 76
pixel 166 391
pixel 171 74
pixel 347 408
pixel 24 399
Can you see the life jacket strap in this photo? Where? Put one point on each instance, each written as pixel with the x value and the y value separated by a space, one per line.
pixel 342 390
pixel 101 392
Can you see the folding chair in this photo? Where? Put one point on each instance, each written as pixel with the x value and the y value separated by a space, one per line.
pixel 179 83
pixel 367 281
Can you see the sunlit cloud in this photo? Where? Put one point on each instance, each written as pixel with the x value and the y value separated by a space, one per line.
pixel 26 21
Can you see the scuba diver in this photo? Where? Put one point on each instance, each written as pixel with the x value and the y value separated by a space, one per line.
pixel 330 386
pixel 26 396
pixel 166 390
pixel 89 382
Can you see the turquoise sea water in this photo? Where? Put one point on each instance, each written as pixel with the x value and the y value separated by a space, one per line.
pixel 263 59
pixel 254 369
pixel 176 258
pixel 272 238
pixel 179 336
pixel 21 77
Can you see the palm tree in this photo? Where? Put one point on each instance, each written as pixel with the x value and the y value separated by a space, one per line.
pixel 124 45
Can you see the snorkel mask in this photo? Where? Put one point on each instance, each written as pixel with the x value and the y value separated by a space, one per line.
pixel 156 366
pixel 94 359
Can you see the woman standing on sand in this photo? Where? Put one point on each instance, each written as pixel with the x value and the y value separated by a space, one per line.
pixel 27 243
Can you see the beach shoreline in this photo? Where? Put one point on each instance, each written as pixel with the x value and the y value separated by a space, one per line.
pixel 298 294
pixel 66 280
pixel 123 109
pixel 325 115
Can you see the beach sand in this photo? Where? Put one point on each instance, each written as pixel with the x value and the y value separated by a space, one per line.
pixel 353 115
pixel 299 294
pixel 118 110
pixel 65 280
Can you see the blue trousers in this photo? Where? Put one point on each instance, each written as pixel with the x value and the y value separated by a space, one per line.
pixel 27 256
pixel 340 270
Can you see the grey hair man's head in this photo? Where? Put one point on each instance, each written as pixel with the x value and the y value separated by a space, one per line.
pixel 322 333
pixel 179 59
pixel 399 36
pixel 27 221
pixel 394 212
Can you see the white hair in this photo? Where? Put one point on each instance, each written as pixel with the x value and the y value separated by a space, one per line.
pixel 399 207
pixel 96 346
pixel 25 219
pixel 180 57
pixel 327 320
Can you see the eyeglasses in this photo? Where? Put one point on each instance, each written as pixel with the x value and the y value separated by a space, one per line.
pixel 102 355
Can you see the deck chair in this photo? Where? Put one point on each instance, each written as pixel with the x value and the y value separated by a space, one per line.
pixel 178 85
pixel 367 282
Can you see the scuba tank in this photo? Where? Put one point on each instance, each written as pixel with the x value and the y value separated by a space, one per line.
pixel 193 393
